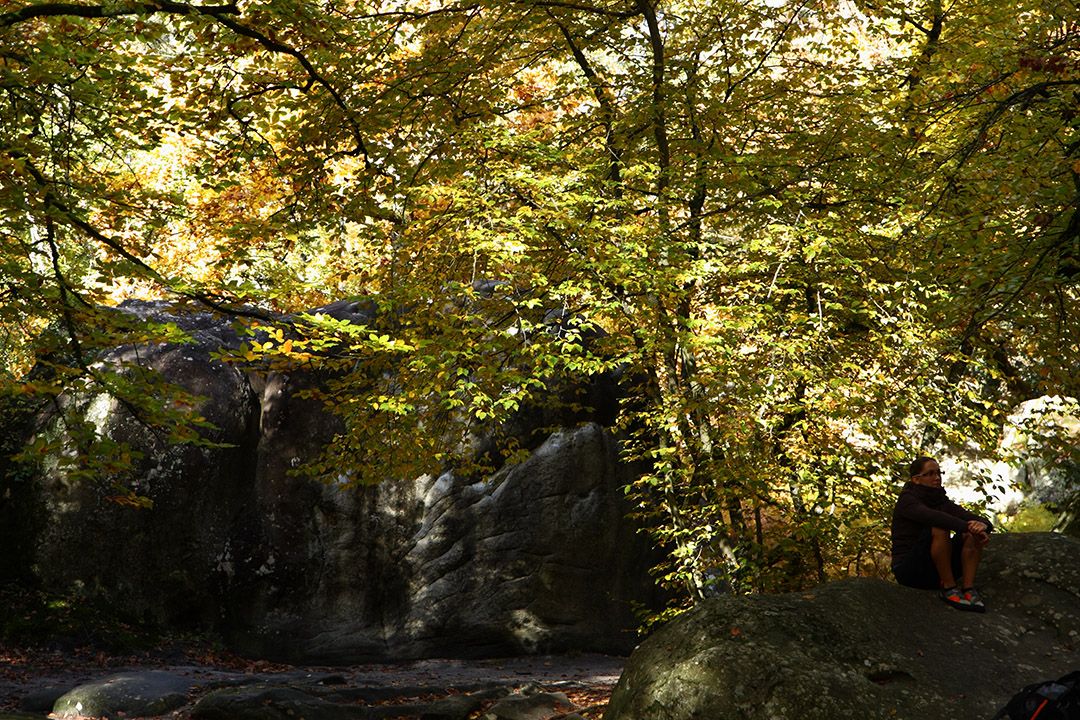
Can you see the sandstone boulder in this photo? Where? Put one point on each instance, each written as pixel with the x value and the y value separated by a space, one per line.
pixel 537 557
pixel 866 648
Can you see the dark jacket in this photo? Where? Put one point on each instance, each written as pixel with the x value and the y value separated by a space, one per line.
pixel 919 507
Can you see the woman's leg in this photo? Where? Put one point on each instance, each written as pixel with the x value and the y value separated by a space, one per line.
pixel 941 552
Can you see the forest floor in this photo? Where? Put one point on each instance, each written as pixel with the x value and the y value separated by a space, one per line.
pixel 587 679
pixel 49 642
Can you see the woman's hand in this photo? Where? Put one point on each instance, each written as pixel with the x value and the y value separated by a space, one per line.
pixel 980 531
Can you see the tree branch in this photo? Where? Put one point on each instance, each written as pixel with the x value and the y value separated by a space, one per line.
pixel 219 13
pixel 603 96
pixel 315 75
pixel 73 218
pixel 618 14
pixel 656 42
pixel 31 12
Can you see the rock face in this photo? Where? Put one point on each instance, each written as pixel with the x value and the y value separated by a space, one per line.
pixel 866 648
pixel 535 558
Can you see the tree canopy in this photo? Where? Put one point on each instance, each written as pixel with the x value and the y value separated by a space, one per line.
pixel 820 235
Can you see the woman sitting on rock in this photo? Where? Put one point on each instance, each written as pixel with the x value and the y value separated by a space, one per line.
pixel 925 551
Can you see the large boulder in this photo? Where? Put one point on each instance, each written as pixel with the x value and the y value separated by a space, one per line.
pixel 866 648
pixel 537 557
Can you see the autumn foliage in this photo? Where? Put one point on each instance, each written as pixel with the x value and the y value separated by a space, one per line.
pixel 815 237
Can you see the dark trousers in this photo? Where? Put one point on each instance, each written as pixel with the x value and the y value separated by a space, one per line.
pixel 917 569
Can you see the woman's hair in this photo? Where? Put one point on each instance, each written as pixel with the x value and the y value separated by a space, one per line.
pixel 918 464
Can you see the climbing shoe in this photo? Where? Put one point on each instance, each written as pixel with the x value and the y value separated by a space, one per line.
pixel 954 597
pixel 975 602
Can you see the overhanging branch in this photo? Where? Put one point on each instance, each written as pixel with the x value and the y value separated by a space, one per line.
pixel 31 12
pixel 73 218
pixel 220 13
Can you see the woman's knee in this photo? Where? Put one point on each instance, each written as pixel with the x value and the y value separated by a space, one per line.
pixel 941 534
